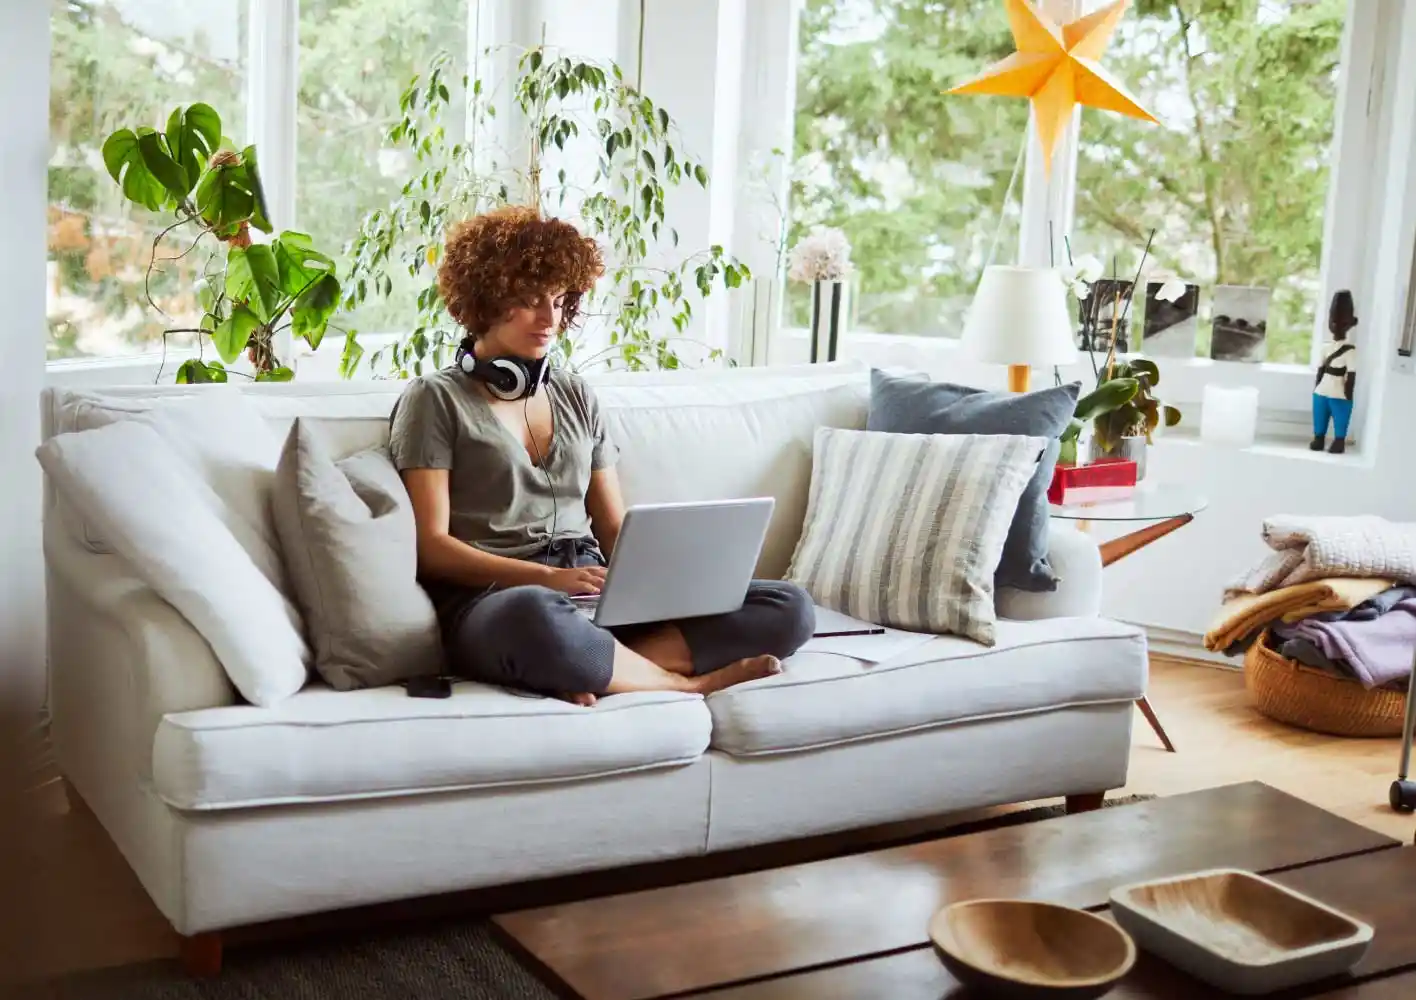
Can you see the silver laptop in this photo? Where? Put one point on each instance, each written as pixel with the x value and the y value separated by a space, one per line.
pixel 680 560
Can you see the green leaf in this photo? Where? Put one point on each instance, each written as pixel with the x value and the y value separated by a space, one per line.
pixel 223 199
pixel 299 263
pixel 126 166
pixel 192 372
pixel 352 355
pixel 253 277
pixel 649 160
pixel 233 333
pixel 162 166
pixel 663 120
pixel 311 313
pixel 1107 397
pixel 1172 416
pixel 281 374
pixel 700 174
pixel 193 134
pixel 1142 366
pixel 248 176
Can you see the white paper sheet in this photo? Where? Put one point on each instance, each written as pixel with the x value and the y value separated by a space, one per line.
pixel 871 648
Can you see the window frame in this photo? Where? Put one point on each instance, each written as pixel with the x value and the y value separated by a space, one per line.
pixel 272 99
pixel 1362 131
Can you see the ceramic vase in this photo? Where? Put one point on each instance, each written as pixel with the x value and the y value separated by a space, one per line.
pixel 830 307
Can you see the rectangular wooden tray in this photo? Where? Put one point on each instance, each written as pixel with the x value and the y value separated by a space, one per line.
pixel 1239 931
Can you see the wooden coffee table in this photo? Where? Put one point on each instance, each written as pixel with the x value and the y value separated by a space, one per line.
pixel 855 926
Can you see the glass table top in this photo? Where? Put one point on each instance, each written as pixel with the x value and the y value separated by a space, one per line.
pixel 1152 501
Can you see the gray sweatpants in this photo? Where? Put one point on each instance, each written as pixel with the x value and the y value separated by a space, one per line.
pixel 533 637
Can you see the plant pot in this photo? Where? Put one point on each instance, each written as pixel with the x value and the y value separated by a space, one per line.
pixel 1133 448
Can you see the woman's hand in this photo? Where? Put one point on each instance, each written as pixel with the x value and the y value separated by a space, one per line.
pixel 577 581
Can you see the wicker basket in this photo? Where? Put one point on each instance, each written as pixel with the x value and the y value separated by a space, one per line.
pixel 1301 696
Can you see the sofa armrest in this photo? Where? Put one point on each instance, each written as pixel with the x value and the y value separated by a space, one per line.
pixel 117 648
pixel 1077 560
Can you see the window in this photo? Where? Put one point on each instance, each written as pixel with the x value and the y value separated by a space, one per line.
pixel 356 58
pixel 1235 183
pixel 915 178
pixel 117 64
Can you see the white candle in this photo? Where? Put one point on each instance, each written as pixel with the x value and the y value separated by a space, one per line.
pixel 1230 415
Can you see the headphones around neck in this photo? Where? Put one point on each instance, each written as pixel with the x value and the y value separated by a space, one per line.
pixel 507 377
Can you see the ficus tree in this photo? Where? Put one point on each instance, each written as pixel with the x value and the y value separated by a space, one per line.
pixel 595 116
pixel 250 292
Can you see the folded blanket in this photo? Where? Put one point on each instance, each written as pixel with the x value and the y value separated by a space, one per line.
pixel 1378 650
pixel 1242 618
pixel 1315 548
pixel 1373 607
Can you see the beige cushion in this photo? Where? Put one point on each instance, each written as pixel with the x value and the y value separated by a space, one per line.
pixel 822 699
pixel 350 545
pixel 907 529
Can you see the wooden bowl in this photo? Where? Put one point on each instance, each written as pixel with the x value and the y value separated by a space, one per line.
pixel 1239 931
pixel 1019 950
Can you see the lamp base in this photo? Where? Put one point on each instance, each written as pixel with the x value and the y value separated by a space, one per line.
pixel 1018 376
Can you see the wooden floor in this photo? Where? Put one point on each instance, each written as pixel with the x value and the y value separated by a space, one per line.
pixel 86 910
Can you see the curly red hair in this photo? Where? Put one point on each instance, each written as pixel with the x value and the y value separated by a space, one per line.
pixel 510 257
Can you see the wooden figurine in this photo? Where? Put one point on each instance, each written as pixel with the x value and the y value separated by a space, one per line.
pixel 1336 377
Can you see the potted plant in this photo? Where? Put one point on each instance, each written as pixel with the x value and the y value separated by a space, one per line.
pixel 249 292
pixel 1123 410
pixel 576 110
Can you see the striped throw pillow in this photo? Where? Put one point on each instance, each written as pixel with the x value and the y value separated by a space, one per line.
pixel 906 530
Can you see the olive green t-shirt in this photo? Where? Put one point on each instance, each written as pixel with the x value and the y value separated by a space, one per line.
pixel 500 500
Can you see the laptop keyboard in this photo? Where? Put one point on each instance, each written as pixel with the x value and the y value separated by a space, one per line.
pixel 586 604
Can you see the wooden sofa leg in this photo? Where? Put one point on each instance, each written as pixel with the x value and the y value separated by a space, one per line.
pixel 201 955
pixel 1084 803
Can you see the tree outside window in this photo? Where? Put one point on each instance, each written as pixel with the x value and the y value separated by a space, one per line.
pixel 1234 182
pixel 116 64
pixel 356 58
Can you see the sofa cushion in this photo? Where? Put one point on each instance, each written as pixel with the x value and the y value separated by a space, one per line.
pixel 324 745
pixel 907 529
pixel 159 518
pixel 821 699
pixel 751 437
pixel 918 406
pixel 351 545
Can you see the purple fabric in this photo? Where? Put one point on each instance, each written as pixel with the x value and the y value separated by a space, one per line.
pixel 1379 650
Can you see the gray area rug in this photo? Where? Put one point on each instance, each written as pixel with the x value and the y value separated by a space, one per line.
pixel 448 958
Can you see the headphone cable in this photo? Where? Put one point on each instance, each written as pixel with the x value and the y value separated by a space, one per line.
pixel 550 485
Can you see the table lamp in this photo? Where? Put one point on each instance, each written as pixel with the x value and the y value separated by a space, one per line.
pixel 1019 318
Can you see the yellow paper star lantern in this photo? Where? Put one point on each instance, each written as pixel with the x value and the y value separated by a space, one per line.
pixel 1056 67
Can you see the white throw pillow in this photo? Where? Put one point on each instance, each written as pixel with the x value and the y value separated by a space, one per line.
pixel 228 452
pixel 906 530
pixel 145 501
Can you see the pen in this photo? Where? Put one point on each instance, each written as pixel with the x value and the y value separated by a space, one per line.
pixel 863 631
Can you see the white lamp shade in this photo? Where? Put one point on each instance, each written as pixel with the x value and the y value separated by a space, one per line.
pixel 1019 316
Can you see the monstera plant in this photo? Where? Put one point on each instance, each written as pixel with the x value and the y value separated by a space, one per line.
pixel 1122 405
pixel 249 292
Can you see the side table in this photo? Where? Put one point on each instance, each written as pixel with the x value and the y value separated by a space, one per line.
pixel 1162 508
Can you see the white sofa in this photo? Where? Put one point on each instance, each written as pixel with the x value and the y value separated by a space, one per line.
pixel 232 814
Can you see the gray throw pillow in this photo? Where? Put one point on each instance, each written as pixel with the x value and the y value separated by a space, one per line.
pixel 350 546
pixel 918 406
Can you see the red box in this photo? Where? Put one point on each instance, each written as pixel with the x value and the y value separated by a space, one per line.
pixel 1112 479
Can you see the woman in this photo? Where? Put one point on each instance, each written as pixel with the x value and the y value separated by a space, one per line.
pixel 511 474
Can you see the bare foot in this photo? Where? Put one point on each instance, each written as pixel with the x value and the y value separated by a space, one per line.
pixel 585 700
pixel 751 669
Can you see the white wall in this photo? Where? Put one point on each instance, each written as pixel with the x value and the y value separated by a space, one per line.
pixel 24 94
